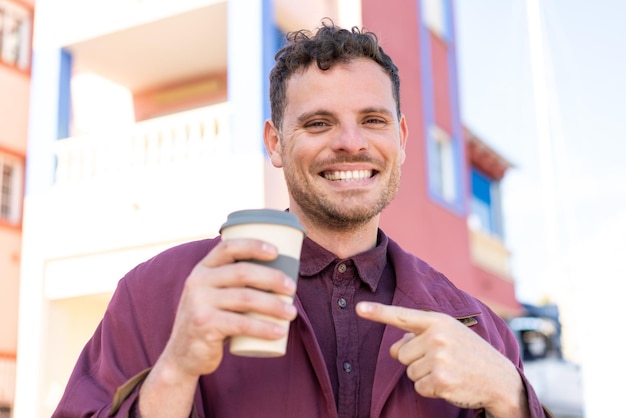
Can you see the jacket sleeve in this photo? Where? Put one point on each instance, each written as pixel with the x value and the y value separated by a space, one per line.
pixel 537 409
pixel 509 346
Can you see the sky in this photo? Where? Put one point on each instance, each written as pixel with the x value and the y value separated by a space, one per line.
pixel 554 207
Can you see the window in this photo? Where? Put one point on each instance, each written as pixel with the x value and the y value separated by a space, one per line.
pixel 15 31
pixel 443 175
pixel 11 175
pixel 486 212
pixel 434 16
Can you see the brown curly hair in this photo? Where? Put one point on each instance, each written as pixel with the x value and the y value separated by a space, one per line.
pixel 328 46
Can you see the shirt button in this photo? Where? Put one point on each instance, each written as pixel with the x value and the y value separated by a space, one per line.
pixel 347 367
pixel 342 268
pixel 342 303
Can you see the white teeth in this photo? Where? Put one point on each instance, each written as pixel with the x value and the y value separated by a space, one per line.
pixel 348 175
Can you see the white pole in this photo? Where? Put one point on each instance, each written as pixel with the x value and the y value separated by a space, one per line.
pixel 541 90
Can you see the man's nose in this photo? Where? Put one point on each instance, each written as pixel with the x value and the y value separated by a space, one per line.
pixel 350 138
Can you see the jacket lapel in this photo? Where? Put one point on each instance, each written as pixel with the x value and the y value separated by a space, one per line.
pixel 418 286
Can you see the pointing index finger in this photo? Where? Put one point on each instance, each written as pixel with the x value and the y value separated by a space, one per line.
pixel 412 320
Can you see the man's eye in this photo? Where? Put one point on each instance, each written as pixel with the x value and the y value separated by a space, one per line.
pixel 316 124
pixel 375 120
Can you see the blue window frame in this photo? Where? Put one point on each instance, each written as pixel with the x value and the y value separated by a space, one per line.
pixel 486 209
pixel 443 165
pixel 444 149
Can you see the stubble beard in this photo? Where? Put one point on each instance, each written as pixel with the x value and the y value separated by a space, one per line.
pixel 343 215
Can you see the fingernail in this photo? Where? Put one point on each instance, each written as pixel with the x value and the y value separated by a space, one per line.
pixel 290 309
pixel 268 248
pixel 279 330
pixel 365 307
pixel 290 284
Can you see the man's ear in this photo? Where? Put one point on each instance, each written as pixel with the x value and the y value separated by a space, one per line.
pixel 404 134
pixel 272 144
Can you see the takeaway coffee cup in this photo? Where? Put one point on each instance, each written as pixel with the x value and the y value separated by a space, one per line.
pixel 283 230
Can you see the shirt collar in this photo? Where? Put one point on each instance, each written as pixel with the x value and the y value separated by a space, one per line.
pixel 369 264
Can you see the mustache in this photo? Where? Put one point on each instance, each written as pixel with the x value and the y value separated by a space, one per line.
pixel 347 159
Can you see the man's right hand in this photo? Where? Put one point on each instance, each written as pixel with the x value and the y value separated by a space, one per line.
pixel 216 296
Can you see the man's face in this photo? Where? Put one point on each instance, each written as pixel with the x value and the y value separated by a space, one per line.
pixel 341 144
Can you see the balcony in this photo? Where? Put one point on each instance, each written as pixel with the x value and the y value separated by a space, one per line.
pixel 157 145
pixel 122 196
pixel 139 44
pixel 489 252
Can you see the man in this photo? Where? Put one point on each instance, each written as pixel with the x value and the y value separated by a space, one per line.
pixel 376 332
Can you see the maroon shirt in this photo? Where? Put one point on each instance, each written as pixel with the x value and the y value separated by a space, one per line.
pixel 329 288
pixel 140 315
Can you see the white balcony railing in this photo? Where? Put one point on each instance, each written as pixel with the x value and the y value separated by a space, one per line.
pixel 183 138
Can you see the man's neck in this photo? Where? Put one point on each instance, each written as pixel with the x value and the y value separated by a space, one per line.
pixel 342 243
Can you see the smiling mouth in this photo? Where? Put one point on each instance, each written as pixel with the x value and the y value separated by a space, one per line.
pixel 348 175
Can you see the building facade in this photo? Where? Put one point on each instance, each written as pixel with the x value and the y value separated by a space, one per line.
pixel 145 131
pixel 16 17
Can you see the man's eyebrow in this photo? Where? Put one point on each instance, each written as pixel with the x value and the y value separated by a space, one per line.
pixel 367 110
pixel 381 110
pixel 308 115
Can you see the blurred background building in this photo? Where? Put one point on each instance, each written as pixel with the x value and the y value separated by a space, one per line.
pixel 145 131
pixel 16 18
